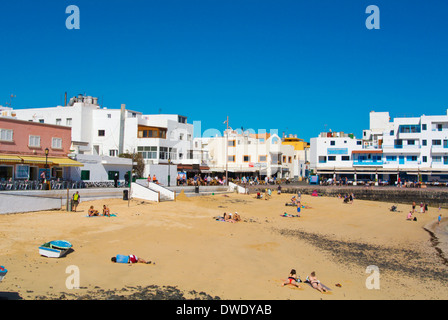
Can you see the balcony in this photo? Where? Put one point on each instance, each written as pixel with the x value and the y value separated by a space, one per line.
pixel 370 163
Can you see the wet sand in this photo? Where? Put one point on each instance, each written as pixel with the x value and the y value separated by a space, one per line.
pixel 197 257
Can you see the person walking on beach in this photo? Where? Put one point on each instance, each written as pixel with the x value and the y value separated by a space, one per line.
pixel 439 219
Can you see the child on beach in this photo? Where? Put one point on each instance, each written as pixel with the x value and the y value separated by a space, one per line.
pixel 439 219
pixel 293 279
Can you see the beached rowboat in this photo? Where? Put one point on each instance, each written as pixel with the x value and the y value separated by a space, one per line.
pixel 54 249
pixel 3 272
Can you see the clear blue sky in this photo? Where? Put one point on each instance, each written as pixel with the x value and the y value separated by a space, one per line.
pixel 296 66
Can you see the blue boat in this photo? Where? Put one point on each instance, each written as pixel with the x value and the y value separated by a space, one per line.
pixel 3 272
pixel 55 248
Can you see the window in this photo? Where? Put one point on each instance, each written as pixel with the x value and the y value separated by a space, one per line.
pixel 101 133
pixel 331 158
pixel 424 159
pixel 424 126
pixel 6 134
pixel 411 142
pixel 41 121
pixel 436 142
pixel 411 128
pixel 391 158
pixel 113 152
pixel 58 122
pixel 246 158
pixel 359 142
pixel 424 142
pixel 182 119
pixel 231 143
pixel 284 159
pixel 231 158
pixel 56 143
pixel 437 159
pixel 148 152
pixel 332 143
pixel 322 159
pixel 111 175
pixel 68 121
pixel 345 158
pixel 411 158
pixel 262 159
pixel 34 141
pixel 181 136
pixel 85 174
pixel 109 115
pixel 289 159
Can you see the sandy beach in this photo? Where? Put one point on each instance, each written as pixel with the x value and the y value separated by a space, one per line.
pixel 197 256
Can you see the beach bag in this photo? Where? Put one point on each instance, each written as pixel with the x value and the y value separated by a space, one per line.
pixel 122 258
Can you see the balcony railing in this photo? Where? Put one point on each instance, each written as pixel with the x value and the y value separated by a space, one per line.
pixel 367 163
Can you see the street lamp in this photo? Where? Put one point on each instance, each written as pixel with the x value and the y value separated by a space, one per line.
pixel 46 162
pixel 169 176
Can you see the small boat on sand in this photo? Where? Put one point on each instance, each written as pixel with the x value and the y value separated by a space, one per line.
pixel 55 248
pixel 3 272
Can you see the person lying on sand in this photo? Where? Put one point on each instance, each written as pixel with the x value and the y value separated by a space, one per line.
pixel 128 259
pixel 93 212
pixel 315 283
pixel 293 279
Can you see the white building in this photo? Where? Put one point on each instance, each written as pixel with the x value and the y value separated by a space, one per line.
pixel 244 154
pixel 409 148
pixel 99 131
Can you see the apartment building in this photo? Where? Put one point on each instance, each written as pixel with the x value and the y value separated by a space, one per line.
pixel 100 132
pixel 245 154
pixel 409 148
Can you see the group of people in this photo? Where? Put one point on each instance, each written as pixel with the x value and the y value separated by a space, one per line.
pixel 229 217
pixel 423 207
pixel 347 198
pixel 92 212
pixel 294 280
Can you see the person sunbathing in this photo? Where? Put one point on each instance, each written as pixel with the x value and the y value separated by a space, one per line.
pixel 128 259
pixel 293 279
pixel 93 212
pixel 315 283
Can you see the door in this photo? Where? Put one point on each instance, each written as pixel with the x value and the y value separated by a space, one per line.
pixel 401 160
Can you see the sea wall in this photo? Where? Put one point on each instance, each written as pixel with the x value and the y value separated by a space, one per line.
pixel 433 197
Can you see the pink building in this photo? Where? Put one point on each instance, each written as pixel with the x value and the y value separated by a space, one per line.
pixel 28 148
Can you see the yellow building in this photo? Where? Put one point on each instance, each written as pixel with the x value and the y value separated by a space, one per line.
pixel 299 144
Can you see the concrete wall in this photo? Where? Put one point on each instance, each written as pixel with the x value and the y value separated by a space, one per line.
pixel 141 192
pixel 433 197
pixel 19 203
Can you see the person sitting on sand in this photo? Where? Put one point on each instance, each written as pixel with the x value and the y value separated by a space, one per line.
pixel 229 218
pixel 293 279
pixel 409 217
pixel 93 212
pixel 106 211
pixel 315 283
pixel 236 217
pixel 128 259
